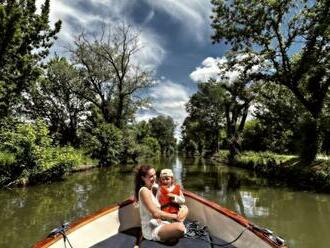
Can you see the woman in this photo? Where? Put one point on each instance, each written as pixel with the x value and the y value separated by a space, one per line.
pixel 145 177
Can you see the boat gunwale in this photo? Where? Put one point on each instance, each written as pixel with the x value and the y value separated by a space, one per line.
pixel 83 221
pixel 234 216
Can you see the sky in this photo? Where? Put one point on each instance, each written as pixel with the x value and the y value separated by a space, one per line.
pixel 176 43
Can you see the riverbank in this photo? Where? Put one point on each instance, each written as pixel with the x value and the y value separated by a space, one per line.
pixel 58 163
pixel 287 169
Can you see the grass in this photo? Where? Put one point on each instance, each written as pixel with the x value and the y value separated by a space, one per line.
pixel 265 158
pixel 84 161
pixel 285 168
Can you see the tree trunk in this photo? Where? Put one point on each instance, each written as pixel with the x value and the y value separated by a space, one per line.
pixel 119 112
pixel 106 112
pixel 234 146
pixel 310 140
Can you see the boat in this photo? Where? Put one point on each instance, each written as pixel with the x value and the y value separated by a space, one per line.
pixel 118 226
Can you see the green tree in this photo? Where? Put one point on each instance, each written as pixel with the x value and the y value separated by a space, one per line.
pixel 325 127
pixel 162 128
pixel 106 144
pixel 142 131
pixel 32 159
pixel 112 77
pixel 253 136
pixel 292 38
pixel 206 117
pixel 280 117
pixel 56 99
pixel 193 137
pixel 240 91
pixel 25 38
pixel 227 98
pixel 149 148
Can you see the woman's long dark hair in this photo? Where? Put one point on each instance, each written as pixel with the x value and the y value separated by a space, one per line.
pixel 140 171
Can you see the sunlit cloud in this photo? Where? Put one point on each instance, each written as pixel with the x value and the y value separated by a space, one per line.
pixel 87 16
pixel 192 14
pixel 168 99
pixel 209 69
pixel 152 53
pixel 216 69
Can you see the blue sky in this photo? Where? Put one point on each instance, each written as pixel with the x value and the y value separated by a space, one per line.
pixel 175 34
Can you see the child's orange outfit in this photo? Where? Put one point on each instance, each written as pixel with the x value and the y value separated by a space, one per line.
pixel 167 204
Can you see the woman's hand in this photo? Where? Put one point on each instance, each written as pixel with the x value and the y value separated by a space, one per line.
pixel 182 214
pixel 180 217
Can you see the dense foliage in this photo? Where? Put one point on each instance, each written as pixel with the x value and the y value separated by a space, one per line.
pixel 200 130
pixel 162 129
pixel 56 112
pixel 280 52
pixel 27 155
pixel 25 38
pixel 292 40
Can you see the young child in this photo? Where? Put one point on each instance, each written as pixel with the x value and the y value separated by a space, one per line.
pixel 170 196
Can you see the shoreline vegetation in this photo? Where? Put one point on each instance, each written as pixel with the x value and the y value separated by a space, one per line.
pixel 284 169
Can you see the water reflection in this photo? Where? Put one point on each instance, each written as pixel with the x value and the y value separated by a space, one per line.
pixel 30 213
pixel 177 171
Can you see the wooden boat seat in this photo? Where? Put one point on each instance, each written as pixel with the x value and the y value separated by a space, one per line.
pixel 184 243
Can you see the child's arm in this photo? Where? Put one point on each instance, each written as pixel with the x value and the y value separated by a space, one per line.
pixel 179 199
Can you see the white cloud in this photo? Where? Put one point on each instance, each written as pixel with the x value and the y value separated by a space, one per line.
pixel 169 99
pixel 216 69
pixel 208 70
pixel 75 20
pixel 192 14
pixel 152 53
pixel 144 117
pixel 149 17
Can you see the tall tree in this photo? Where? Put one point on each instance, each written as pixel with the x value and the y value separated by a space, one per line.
pixel 293 38
pixel 25 38
pixel 162 128
pixel 226 98
pixel 241 89
pixel 280 118
pixel 56 99
pixel 111 72
pixel 192 137
pixel 206 116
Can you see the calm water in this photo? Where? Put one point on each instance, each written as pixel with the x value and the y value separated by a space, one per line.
pixel 302 218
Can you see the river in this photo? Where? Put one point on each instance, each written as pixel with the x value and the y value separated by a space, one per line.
pixel 301 218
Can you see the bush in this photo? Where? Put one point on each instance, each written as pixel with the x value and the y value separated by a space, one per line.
pixel 27 155
pixel 130 151
pixel 149 147
pixel 7 162
pixel 57 161
pixel 105 143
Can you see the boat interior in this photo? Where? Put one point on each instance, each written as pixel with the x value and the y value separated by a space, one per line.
pixel 132 238
pixel 119 226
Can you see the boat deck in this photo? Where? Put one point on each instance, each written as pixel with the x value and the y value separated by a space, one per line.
pixel 129 238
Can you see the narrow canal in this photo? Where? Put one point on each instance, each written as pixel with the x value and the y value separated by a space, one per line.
pixel 302 218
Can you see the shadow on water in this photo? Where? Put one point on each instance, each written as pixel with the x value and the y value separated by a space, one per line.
pixel 28 214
